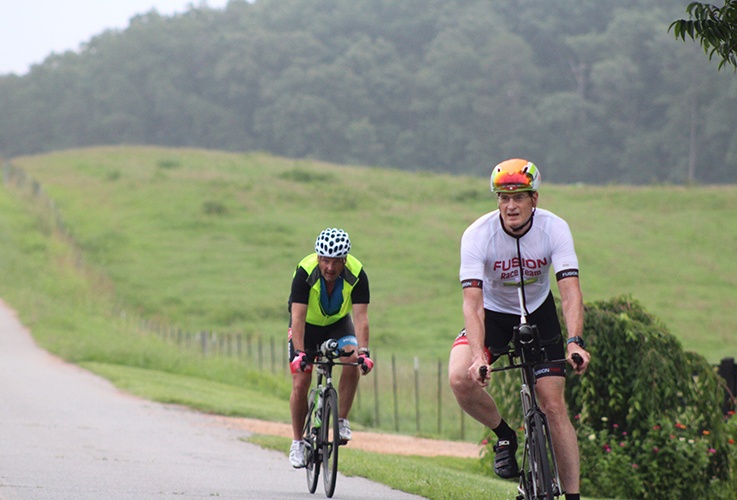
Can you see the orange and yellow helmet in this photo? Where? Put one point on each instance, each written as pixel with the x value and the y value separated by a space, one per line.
pixel 515 175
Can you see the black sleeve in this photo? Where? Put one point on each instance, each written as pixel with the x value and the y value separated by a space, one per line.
pixel 361 293
pixel 300 289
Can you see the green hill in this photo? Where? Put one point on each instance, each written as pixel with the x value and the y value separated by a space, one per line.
pixel 101 246
pixel 205 240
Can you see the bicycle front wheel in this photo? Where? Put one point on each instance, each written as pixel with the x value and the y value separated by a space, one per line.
pixel 539 477
pixel 330 440
pixel 312 455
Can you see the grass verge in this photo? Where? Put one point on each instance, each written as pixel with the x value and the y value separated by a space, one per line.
pixel 430 477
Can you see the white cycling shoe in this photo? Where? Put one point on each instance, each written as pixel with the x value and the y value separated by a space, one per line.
pixel 297 454
pixel 344 429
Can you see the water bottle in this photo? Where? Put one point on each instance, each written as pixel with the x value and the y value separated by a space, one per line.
pixel 318 411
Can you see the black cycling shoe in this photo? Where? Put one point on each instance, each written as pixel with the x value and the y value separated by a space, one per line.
pixel 505 460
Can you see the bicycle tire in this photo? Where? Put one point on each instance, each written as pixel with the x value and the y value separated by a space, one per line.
pixel 539 477
pixel 312 455
pixel 330 440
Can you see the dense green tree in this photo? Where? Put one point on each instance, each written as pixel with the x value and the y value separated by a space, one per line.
pixel 714 27
pixel 591 91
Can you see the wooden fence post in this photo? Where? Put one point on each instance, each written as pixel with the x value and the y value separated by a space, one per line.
pixel 463 427
pixel 440 396
pixel 260 354
pixel 273 356
pixel 417 394
pixel 394 388
pixel 376 394
pixel 203 342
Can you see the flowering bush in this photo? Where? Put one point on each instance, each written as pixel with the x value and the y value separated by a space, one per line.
pixel 728 487
pixel 670 461
pixel 607 467
pixel 649 417
pixel 668 402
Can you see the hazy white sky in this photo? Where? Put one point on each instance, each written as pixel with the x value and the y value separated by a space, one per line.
pixel 30 30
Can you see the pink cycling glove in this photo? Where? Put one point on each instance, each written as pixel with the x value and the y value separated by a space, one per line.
pixel 365 363
pixel 296 364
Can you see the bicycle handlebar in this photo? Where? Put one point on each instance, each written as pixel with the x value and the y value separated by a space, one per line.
pixel 526 336
pixel 577 361
pixel 330 352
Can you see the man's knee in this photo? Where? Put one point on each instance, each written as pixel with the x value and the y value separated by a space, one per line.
pixel 460 382
pixel 554 407
pixel 350 373
pixel 301 383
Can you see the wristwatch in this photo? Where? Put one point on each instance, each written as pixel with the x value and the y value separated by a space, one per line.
pixel 577 340
pixel 365 351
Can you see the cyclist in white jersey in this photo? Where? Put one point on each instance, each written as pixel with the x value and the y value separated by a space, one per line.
pixel 512 247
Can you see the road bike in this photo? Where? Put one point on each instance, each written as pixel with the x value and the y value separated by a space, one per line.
pixel 321 433
pixel 539 476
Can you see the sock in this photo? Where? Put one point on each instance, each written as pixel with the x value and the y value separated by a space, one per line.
pixel 503 431
pixel 573 496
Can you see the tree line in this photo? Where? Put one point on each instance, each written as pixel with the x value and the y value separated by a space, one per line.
pixel 594 92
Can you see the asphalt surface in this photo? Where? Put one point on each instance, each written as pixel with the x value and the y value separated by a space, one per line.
pixel 68 434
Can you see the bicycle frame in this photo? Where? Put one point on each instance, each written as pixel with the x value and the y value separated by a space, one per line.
pixel 321 433
pixel 539 477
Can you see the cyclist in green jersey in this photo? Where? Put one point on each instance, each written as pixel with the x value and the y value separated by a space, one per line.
pixel 330 290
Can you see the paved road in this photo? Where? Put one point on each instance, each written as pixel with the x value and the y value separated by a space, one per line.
pixel 68 434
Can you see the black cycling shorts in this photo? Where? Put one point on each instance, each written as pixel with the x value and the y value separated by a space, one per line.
pixel 316 335
pixel 500 329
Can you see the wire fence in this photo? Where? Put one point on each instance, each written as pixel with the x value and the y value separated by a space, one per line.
pixel 403 395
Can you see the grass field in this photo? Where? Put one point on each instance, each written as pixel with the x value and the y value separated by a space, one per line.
pixel 209 240
pixel 201 240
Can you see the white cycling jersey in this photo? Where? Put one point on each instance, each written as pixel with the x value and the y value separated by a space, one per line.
pixel 489 254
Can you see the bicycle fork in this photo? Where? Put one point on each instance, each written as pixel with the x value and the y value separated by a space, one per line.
pixel 526 398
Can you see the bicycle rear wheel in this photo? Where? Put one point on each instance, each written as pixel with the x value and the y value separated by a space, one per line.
pixel 539 477
pixel 312 455
pixel 330 440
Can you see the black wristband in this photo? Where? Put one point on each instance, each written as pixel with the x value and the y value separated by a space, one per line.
pixel 577 340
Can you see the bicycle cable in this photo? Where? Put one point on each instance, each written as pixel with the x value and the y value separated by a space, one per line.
pixel 523 298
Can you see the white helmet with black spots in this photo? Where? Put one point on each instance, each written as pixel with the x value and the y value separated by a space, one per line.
pixel 333 242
